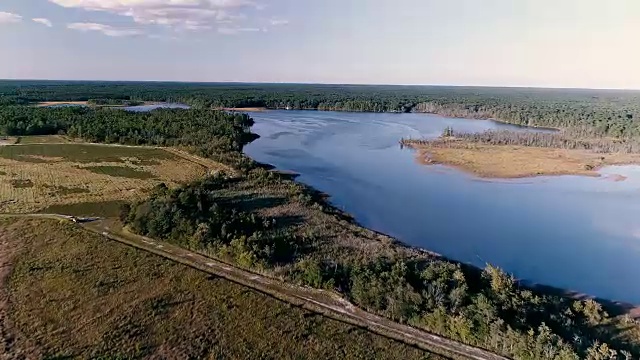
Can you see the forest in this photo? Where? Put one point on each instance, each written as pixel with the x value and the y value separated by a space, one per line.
pixel 589 112
pixel 209 133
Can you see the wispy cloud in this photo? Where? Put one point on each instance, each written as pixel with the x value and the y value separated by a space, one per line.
pixel 9 18
pixel 237 30
pixel 278 22
pixel 177 14
pixel 43 21
pixel 105 29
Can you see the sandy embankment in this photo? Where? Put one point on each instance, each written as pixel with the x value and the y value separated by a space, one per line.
pixel 242 109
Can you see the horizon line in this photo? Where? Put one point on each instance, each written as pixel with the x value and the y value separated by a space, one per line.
pixel 549 87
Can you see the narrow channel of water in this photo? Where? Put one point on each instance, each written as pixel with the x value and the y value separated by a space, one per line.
pixel 572 232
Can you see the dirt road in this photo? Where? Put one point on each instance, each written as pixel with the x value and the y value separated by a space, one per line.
pixel 326 303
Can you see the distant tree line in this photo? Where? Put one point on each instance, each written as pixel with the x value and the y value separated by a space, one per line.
pixel 593 112
pixel 558 140
pixel 207 132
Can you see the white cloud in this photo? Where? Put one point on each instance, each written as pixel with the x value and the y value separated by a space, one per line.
pixel 278 22
pixel 9 18
pixel 105 29
pixel 178 14
pixel 237 30
pixel 45 22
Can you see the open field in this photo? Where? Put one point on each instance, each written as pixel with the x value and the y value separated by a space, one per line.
pixel 42 139
pixel 506 161
pixel 75 294
pixel 58 103
pixel 243 109
pixel 37 176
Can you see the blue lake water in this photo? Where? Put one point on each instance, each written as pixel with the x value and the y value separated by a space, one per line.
pixel 578 233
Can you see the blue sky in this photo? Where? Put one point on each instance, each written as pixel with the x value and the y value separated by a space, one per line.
pixel 557 43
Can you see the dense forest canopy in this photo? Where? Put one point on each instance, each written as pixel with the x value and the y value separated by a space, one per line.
pixel 165 127
pixel 594 112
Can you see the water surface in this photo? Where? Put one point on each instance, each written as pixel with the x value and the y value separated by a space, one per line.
pixel 579 233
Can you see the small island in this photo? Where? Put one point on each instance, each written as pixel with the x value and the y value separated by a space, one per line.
pixel 506 154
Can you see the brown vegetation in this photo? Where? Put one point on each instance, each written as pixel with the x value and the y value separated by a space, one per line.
pixel 242 109
pixel 73 294
pixel 54 103
pixel 516 161
pixel 33 177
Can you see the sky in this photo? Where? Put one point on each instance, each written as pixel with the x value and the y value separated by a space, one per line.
pixel 541 43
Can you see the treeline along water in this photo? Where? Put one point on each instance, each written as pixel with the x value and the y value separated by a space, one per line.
pixel 591 112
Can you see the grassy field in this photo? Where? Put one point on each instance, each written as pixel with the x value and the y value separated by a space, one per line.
pixel 75 294
pixel 43 139
pixel 37 176
pixel 506 161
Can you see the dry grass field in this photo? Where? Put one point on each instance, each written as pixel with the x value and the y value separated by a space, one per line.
pixel 73 294
pixel 37 176
pixel 507 161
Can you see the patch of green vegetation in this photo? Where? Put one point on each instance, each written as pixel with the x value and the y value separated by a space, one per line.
pixel 121 171
pixel 74 294
pixel 42 139
pixel 21 183
pixel 100 208
pixel 82 153
pixel 3 172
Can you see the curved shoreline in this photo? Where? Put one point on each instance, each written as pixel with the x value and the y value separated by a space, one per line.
pixel 613 307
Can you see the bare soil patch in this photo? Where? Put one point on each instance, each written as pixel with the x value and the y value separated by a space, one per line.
pixel 53 103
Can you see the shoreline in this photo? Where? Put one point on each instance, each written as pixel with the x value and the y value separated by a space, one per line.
pixel 260 109
pixel 516 161
pixel 614 307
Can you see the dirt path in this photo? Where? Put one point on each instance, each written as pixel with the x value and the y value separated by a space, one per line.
pixel 322 302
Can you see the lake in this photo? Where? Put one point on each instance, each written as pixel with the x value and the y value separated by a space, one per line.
pixel 578 233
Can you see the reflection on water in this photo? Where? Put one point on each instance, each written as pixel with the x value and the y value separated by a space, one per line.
pixel 574 232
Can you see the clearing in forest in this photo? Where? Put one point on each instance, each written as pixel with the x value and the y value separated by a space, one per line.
pixel 37 176
pixel 43 139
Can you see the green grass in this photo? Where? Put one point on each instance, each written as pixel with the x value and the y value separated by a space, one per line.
pixel 76 294
pixel 101 209
pixel 121 171
pixel 42 139
pixel 83 153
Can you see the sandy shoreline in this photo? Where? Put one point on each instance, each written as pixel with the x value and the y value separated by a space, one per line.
pixel 242 109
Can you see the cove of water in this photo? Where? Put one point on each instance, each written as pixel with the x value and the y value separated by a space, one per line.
pixel 577 233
